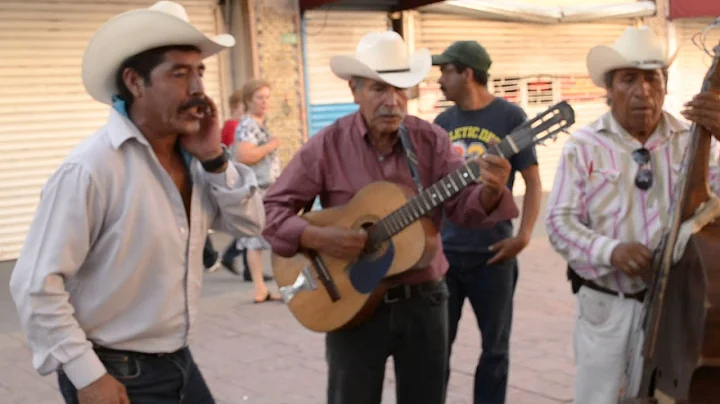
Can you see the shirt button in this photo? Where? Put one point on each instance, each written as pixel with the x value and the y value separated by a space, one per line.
pixel 182 230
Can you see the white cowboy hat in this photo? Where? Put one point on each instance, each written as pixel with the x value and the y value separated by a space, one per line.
pixel 637 48
pixel 164 23
pixel 383 56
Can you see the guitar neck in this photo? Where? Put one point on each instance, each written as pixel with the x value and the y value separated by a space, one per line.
pixel 545 125
pixel 433 196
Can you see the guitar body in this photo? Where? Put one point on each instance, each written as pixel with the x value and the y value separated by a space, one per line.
pixel 687 366
pixel 325 293
pixel 360 283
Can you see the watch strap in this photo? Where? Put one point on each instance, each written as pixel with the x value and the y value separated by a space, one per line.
pixel 217 162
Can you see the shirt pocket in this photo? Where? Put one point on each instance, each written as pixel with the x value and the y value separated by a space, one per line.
pixel 593 307
pixel 602 197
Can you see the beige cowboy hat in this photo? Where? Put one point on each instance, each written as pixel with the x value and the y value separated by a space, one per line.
pixel 383 56
pixel 637 48
pixel 162 24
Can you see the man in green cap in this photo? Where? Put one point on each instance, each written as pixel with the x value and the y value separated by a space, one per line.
pixel 483 265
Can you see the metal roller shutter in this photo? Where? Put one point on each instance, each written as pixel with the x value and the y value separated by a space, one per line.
pixel 327 34
pixel 44 109
pixel 534 65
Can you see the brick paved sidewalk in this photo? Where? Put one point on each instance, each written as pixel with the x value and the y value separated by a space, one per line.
pixel 258 354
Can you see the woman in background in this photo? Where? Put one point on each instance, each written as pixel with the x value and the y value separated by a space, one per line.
pixel 255 147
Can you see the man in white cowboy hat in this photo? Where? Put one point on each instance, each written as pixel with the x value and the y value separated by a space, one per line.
pixel 108 281
pixel 336 163
pixel 611 200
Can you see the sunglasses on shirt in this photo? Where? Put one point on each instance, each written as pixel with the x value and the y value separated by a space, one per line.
pixel 644 177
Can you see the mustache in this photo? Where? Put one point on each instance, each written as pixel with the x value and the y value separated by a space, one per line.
pixel 195 102
pixel 390 112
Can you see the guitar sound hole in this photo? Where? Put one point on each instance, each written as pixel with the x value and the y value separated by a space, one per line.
pixel 370 247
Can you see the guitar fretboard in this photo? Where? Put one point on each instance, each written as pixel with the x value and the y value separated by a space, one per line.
pixel 553 120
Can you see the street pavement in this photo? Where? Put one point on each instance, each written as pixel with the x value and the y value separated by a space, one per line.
pixel 258 354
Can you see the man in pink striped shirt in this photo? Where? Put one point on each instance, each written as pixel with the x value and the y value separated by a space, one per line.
pixel 411 325
pixel 611 201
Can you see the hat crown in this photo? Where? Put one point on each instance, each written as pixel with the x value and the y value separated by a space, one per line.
pixel 383 51
pixel 640 45
pixel 172 8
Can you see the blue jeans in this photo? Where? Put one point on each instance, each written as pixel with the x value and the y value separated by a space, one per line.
pixel 172 378
pixel 413 331
pixel 490 290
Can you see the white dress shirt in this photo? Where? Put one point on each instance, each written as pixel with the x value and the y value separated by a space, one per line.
pixel 110 258
pixel 595 205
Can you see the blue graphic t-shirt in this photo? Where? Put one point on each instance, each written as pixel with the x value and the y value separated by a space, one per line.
pixel 470 132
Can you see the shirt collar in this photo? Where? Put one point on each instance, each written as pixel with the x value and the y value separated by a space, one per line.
pixel 669 125
pixel 359 127
pixel 121 128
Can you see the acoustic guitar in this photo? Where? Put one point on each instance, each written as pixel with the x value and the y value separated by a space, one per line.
pixel 325 293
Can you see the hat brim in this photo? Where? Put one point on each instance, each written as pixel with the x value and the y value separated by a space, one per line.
pixel 134 32
pixel 346 67
pixel 438 60
pixel 603 59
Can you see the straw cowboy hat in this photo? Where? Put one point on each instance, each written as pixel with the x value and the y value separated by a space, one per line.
pixel 637 48
pixel 164 23
pixel 383 56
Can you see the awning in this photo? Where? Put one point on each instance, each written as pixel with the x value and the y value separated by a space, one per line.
pixel 694 8
pixel 368 5
pixel 509 11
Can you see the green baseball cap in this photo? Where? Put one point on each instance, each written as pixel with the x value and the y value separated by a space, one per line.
pixel 469 53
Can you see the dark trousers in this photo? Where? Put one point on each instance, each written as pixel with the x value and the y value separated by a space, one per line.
pixel 210 255
pixel 490 290
pixel 172 378
pixel 413 331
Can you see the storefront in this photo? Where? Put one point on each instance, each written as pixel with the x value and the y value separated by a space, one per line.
pixel 536 62
pixel 44 109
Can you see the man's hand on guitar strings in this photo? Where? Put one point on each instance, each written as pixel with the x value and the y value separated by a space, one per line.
pixel 337 242
pixel 704 110
pixel 494 172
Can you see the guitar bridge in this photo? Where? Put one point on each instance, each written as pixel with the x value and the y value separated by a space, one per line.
pixel 304 282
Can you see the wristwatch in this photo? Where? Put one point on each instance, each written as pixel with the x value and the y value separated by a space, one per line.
pixel 214 164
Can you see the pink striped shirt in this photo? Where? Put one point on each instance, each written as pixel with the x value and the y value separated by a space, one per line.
pixel 595 205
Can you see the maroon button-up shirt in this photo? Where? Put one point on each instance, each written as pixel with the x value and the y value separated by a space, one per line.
pixel 339 161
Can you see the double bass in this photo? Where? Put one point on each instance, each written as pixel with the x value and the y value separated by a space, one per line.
pixel 679 337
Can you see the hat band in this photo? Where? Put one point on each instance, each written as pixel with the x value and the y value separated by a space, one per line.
pixel 649 62
pixel 392 71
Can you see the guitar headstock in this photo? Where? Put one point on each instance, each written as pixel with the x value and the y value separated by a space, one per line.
pixel 546 125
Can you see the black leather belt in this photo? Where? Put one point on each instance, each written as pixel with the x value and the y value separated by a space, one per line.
pixel 576 281
pixel 404 292
pixel 639 296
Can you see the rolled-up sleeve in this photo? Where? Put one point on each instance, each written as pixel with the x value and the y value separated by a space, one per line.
pixel 51 254
pixel 240 207
pixel 298 185
pixel 465 208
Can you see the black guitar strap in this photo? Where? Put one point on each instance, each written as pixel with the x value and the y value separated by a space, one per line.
pixel 411 156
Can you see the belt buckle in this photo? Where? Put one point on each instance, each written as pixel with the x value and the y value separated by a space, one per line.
pixel 390 300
